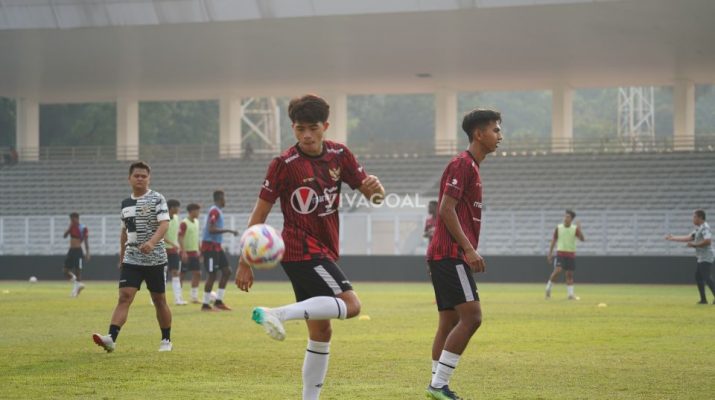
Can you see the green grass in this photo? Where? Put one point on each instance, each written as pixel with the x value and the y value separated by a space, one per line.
pixel 651 342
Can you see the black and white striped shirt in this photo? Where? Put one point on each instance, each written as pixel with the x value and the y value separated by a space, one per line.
pixel 140 217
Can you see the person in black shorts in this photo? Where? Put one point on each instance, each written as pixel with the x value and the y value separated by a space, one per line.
pixel 452 253
pixel 190 243
pixel 310 232
pixel 145 219
pixel 214 256
pixel 78 234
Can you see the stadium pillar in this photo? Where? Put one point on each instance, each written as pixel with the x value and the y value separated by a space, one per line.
pixel 684 116
pixel 445 122
pixel 562 119
pixel 28 129
pixel 338 117
pixel 230 135
pixel 127 129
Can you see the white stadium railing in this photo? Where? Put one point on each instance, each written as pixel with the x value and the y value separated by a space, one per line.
pixel 637 232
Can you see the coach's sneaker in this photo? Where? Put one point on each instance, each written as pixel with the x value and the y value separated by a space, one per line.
pixel 221 305
pixel 442 393
pixel 271 323
pixel 181 302
pixel 165 345
pixel 104 341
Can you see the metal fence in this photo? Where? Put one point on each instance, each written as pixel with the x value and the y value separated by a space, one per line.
pixel 523 232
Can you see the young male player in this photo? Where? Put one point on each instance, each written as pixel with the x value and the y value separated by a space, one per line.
pixel 452 254
pixel 145 219
pixel 701 240
pixel 78 234
pixel 171 241
pixel 564 239
pixel 214 256
pixel 307 178
pixel 189 240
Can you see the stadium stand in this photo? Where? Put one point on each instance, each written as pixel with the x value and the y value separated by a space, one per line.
pixel 673 181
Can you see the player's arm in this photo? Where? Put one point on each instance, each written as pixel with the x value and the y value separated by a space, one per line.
pixel 550 257
pixel 372 189
pixel 448 213
pixel 244 275
pixel 87 256
pixel 707 240
pixel 682 239
pixel 67 232
pixel 122 244
pixel 579 232
pixel 182 236
pixel 149 245
pixel 213 229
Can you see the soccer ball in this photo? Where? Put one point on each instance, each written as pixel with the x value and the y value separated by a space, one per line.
pixel 33 279
pixel 262 247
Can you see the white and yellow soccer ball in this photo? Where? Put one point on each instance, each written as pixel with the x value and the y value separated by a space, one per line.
pixel 262 247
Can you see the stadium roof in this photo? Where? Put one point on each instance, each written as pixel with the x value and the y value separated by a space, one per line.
pixel 72 50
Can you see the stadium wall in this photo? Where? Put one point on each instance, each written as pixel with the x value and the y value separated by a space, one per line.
pixel 589 269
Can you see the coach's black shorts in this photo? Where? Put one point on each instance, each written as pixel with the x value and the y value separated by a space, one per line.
pixel 74 258
pixel 566 263
pixel 133 275
pixel 453 283
pixel 215 260
pixel 316 278
pixel 174 261
pixel 192 264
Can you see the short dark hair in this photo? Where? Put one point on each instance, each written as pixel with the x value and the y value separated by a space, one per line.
pixel 139 165
pixel 218 194
pixel 309 108
pixel 700 214
pixel 192 206
pixel 173 203
pixel 478 118
pixel 571 213
pixel 74 215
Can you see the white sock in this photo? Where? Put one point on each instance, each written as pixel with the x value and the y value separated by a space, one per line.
pixel 435 363
pixel 176 287
pixel 75 285
pixel 315 366
pixel 316 308
pixel 219 295
pixel 569 288
pixel 207 297
pixel 195 293
pixel 447 363
pixel 549 285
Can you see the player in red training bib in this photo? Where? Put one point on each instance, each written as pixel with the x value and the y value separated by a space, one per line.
pixel 452 253
pixel 307 179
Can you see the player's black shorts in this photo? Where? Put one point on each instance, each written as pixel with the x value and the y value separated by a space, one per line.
pixel 74 258
pixel 453 283
pixel 174 261
pixel 566 263
pixel 133 275
pixel 192 264
pixel 316 278
pixel 215 260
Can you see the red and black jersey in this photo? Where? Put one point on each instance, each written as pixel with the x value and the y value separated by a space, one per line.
pixel 309 190
pixel 462 182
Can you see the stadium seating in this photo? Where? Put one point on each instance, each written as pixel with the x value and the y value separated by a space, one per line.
pixel 653 181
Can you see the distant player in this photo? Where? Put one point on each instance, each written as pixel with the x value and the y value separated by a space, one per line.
pixel 171 241
pixel 431 221
pixel 78 234
pixel 190 241
pixel 452 254
pixel 701 240
pixel 214 256
pixel 145 219
pixel 564 238
pixel 307 179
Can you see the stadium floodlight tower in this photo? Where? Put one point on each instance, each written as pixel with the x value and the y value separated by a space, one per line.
pixel 636 118
pixel 261 116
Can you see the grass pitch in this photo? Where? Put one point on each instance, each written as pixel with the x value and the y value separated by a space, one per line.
pixel 650 342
